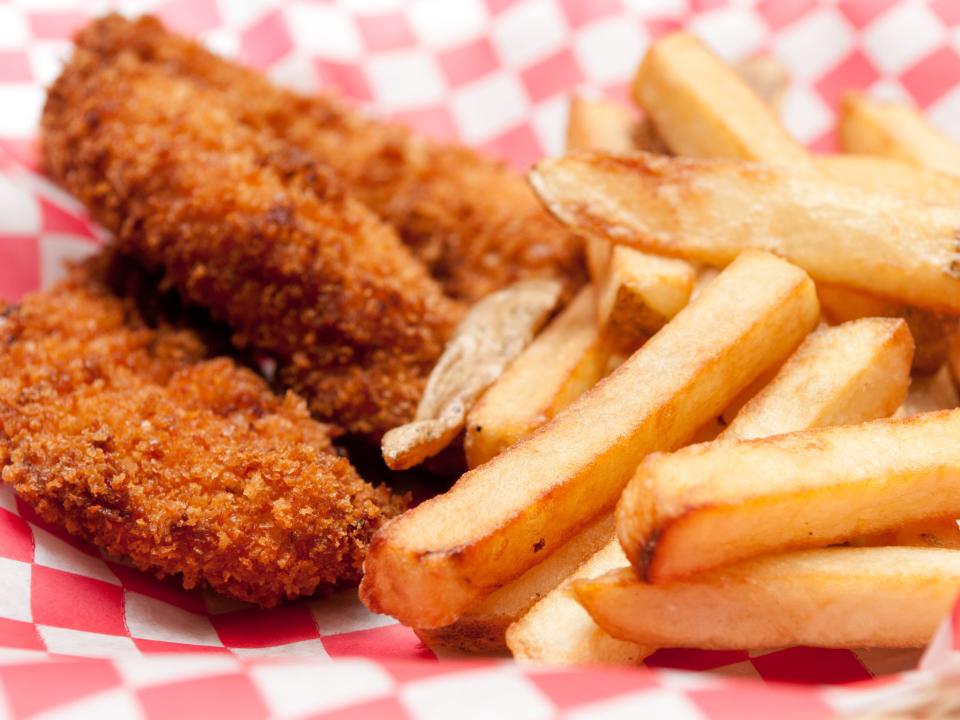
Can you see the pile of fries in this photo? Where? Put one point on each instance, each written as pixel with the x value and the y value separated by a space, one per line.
pixel 741 434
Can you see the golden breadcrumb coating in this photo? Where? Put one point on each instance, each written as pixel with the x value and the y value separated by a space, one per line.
pixel 476 224
pixel 254 230
pixel 129 438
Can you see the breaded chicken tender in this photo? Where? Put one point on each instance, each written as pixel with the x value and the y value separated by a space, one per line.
pixel 130 438
pixel 254 230
pixel 476 224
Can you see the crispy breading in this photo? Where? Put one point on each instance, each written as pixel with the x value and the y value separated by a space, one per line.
pixel 129 438
pixel 254 230
pixel 476 224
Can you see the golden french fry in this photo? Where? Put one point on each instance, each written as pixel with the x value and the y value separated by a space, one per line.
pixel 939 533
pixel 600 125
pixel 846 374
pixel 710 505
pixel 639 294
pixel 557 630
pixel 701 107
pixel 833 597
pixel 711 210
pixel 434 562
pixel 565 360
pixel 840 375
pixel 889 175
pixel 483 627
pixel 894 130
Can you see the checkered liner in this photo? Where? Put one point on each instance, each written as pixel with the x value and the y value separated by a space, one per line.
pixel 81 634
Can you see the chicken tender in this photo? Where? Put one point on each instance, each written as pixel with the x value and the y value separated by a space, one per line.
pixel 254 230
pixel 476 225
pixel 130 438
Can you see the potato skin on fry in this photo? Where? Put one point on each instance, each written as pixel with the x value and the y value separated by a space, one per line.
pixel 131 439
pixel 262 236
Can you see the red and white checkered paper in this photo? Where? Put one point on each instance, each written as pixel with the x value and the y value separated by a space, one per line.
pixel 81 634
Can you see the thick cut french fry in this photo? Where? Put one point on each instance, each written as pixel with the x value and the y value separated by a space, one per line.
pixel 840 375
pixel 482 628
pixel 711 210
pixel 701 107
pixel 940 533
pixel 558 631
pixel 563 362
pixel 600 125
pixel 889 175
pixel 713 504
pixel 874 127
pixel 845 374
pixel 437 560
pixel 833 597
pixel 639 294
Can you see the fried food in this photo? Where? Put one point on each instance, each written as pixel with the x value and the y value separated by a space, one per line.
pixel 712 210
pixel 711 505
pixel 473 222
pixel 431 565
pixel 258 233
pixel 130 438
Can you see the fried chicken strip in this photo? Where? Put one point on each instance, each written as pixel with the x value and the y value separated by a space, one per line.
pixel 476 225
pixel 254 230
pixel 129 438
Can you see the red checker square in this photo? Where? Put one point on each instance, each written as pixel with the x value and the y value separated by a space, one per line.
pixel 385 31
pixel 15 67
pixel 18 634
pixel 55 25
pixel 266 41
pixel 856 71
pixel 556 74
pixel 468 62
pixel 567 690
pixel 56 219
pixel 826 143
pixel 699 6
pixel 23 151
pixel 779 13
pixel 158 647
pixel 519 148
pixel 381 709
pixel 263 628
pixel 16 540
pixel 20 269
pixel 498 6
pixel 781 702
pixel 933 76
pixel 34 687
pixel 169 590
pixel 947 10
pixel 189 16
pixel 659 27
pixel 681 659
pixel 435 122
pixel 581 12
pixel 231 696
pixel 62 599
pixel 810 666
pixel 863 12
pixel 394 642
pixel 348 79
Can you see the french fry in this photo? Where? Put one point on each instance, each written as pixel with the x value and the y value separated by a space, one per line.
pixel 711 210
pixel 894 130
pixel 701 107
pixel 639 294
pixel 557 630
pixel 600 125
pixel 840 375
pixel 834 597
pixel 939 533
pixel 846 374
pixel 565 360
pixel 430 565
pixel 483 627
pixel 889 175
pixel 711 505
